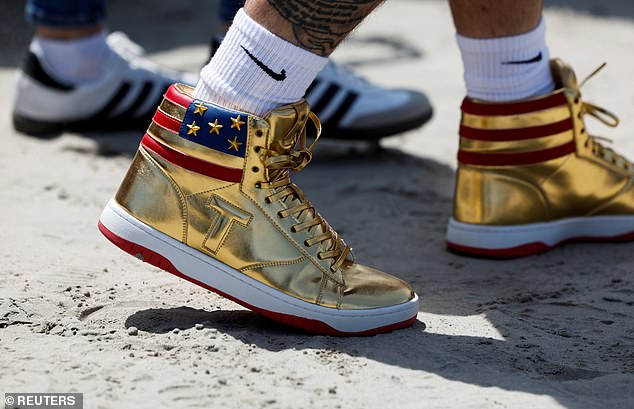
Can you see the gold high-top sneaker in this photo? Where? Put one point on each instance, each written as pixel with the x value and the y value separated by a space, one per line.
pixel 530 176
pixel 209 198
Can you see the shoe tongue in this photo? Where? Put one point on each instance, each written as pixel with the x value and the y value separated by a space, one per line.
pixel 563 74
pixel 285 123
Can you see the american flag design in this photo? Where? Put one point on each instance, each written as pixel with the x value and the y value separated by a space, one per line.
pixel 215 127
pixel 191 121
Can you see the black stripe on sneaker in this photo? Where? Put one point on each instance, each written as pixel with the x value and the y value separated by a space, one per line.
pixel 157 101
pixel 325 99
pixel 141 96
pixel 311 87
pixel 32 67
pixel 160 97
pixel 343 108
pixel 114 101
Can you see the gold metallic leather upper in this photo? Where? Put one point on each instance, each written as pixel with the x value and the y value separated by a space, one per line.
pixel 590 180
pixel 263 225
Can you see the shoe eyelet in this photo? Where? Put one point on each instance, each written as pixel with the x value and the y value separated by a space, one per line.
pixel 267 200
pixel 257 149
pixel 577 100
pixel 293 229
pixel 259 133
pixel 279 215
pixel 306 243
pixel 319 256
pixel 255 169
pixel 258 185
pixel 583 130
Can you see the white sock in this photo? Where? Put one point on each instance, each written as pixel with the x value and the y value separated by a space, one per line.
pixel 235 80
pixel 75 61
pixel 507 68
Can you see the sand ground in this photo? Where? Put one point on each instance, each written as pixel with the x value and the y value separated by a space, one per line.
pixel 553 331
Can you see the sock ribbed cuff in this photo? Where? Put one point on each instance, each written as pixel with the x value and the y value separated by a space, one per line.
pixel 255 71
pixel 507 68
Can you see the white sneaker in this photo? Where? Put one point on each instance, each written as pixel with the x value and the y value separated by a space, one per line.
pixel 124 98
pixel 350 107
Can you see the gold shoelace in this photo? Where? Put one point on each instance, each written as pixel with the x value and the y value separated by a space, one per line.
pixel 607 118
pixel 281 187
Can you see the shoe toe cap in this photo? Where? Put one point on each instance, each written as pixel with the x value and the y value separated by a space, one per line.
pixel 400 106
pixel 366 287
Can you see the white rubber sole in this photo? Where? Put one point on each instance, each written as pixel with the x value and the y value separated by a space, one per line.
pixel 523 240
pixel 152 246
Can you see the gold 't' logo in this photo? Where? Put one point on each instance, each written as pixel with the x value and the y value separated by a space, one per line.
pixel 227 215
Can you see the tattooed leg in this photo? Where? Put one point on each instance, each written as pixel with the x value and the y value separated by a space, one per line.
pixel 315 25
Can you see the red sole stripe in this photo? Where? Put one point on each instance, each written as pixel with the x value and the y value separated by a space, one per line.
pixel 190 163
pixel 301 323
pixel 174 95
pixel 513 108
pixel 515 158
pixel 534 248
pixel 511 252
pixel 516 134
pixel 166 121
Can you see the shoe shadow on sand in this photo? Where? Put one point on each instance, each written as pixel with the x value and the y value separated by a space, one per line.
pixel 516 325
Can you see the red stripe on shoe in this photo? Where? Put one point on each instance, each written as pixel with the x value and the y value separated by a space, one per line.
pixel 166 121
pixel 511 252
pixel 515 158
pixel 516 134
pixel 191 163
pixel 513 108
pixel 177 97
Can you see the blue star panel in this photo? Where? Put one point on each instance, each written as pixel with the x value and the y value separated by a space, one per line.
pixel 231 134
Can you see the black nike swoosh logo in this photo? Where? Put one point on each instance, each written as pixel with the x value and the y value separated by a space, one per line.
pixel 277 76
pixel 535 59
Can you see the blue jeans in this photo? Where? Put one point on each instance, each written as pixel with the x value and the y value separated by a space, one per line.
pixel 228 9
pixel 74 13
pixel 66 13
